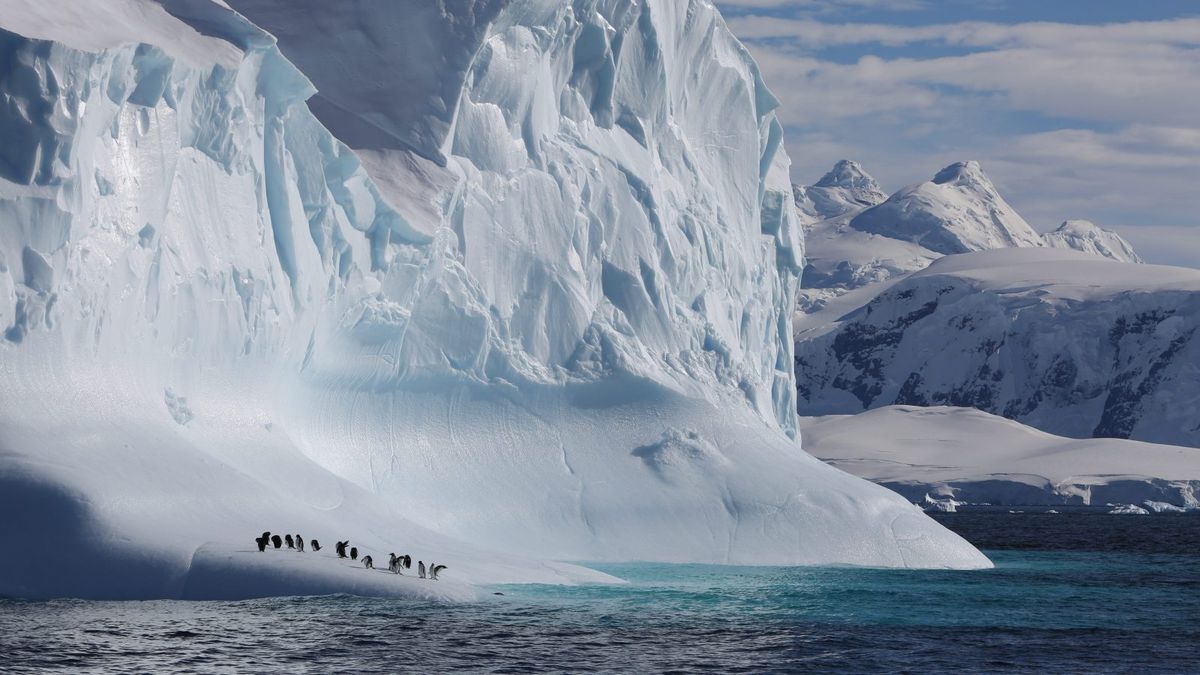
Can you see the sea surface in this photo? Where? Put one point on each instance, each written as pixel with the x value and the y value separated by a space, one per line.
pixel 1071 592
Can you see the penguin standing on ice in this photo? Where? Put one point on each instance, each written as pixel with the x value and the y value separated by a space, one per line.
pixel 288 538
pixel 354 553
pixel 300 543
pixel 434 570
pixel 341 549
pixel 407 561
pixel 368 563
pixel 420 569
pixel 277 540
pixel 316 545
pixel 262 541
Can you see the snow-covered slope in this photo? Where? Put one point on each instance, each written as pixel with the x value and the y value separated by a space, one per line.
pixel 1067 342
pixel 972 456
pixel 957 212
pixel 1086 236
pixel 847 187
pixel 542 308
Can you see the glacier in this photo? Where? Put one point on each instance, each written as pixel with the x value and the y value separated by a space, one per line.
pixel 493 283
pixel 947 456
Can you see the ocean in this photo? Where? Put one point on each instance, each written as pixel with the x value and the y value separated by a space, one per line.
pixel 1071 592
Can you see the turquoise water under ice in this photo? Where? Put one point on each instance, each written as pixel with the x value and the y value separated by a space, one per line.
pixel 1083 592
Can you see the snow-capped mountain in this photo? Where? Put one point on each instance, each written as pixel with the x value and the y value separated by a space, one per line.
pixel 959 211
pixel 967 455
pixel 1067 342
pixel 496 286
pixel 1086 236
pixel 847 187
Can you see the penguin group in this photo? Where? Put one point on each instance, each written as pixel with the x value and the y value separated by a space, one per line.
pixel 295 543
pixel 396 563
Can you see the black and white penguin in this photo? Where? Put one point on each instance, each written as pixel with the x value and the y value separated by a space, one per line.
pixel 393 563
pixel 277 540
pixel 300 543
pixel 262 542
pixel 316 545
pixel 288 539
pixel 368 563
pixel 434 570
pixel 407 562
pixel 354 553
pixel 420 569
pixel 341 549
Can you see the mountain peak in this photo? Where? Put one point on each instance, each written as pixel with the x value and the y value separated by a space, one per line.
pixel 959 173
pixel 1086 236
pixel 845 188
pixel 847 174
pixel 958 211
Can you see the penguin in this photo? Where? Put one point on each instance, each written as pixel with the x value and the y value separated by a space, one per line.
pixel 408 562
pixel 393 563
pixel 316 545
pixel 300 543
pixel 420 569
pixel 434 570
pixel 288 538
pixel 341 549
pixel 277 540
pixel 354 553
pixel 262 543
pixel 368 563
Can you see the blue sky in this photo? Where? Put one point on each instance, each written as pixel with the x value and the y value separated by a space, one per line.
pixel 1076 108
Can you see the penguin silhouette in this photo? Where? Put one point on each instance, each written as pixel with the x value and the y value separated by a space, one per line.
pixel 262 543
pixel 300 543
pixel 341 549
pixel 277 540
pixel 288 538
pixel 354 553
pixel 316 545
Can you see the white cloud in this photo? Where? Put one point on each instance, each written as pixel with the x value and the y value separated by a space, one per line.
pixel 1071 121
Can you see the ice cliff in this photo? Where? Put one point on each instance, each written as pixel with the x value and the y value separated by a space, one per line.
pixel 457 277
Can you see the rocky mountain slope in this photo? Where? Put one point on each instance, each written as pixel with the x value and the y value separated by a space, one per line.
pixel 1063 341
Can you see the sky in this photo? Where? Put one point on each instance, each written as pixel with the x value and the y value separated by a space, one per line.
pixel 1075 108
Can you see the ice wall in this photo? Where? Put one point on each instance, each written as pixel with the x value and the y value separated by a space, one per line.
pixel 573 245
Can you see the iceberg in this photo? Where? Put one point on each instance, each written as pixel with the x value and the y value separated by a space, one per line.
pixel 491 283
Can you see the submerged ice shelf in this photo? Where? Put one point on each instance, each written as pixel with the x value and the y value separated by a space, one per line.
pixel 542 308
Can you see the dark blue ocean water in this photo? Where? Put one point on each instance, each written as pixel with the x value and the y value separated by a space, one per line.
pixel 1071 593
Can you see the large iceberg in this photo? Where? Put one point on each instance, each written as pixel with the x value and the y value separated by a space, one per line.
pixel 519 279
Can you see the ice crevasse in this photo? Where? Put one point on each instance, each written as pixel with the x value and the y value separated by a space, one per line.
pixel 500 282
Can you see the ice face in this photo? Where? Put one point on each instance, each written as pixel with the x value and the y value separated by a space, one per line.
pixel 576 238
